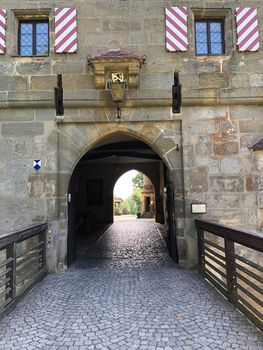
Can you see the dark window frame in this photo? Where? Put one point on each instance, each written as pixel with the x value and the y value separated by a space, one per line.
pixel 34 33
pixel 208 21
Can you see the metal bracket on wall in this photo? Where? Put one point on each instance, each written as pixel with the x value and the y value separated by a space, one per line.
pixel 59 105
pixel 177 94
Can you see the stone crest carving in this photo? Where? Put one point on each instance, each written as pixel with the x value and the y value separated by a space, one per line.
pixel 123 61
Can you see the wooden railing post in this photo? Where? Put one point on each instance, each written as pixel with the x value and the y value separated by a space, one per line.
pixel 20 272
pixel 236 276
pixel 14 270
pixel 230 270
pixel 43 258
pixel 11 253
pixel 201 253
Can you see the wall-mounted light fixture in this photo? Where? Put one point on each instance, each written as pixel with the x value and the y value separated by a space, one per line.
pixel 117 70
pixel 117 86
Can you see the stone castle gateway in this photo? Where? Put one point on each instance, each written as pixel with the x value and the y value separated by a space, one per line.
pixel 210 152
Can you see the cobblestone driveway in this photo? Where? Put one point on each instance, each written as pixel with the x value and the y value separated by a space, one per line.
pixel 126 293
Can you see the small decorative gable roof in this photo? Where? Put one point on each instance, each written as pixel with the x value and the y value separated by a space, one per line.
pixel 258 145
pixel 118 54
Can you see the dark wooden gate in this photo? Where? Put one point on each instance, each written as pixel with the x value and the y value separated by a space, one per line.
pixel 72 220
pixel 171 228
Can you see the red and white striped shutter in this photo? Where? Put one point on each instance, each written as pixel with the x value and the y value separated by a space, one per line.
pixel 66 30
pixel 176 28
pixel 247 29
pixel 2 31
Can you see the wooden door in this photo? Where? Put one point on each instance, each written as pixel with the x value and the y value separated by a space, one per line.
pixel 171 227
pixel 71 251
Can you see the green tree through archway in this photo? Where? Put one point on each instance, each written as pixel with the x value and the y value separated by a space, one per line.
pixel 132 204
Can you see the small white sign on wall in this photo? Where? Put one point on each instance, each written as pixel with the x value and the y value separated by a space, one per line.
pixel 198 208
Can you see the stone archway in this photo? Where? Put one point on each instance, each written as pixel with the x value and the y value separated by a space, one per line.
pixel 154 179
pixel 75 140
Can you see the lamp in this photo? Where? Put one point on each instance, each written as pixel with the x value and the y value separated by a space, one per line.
pixel 117 87
pixel 117 91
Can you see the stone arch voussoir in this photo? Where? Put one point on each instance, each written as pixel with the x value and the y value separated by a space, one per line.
pixel 78 140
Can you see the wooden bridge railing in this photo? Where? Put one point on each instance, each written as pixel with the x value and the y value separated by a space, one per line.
pixel 232 260
pixel 22 264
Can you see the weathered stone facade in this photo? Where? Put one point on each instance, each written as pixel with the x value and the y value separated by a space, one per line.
pixel 221 116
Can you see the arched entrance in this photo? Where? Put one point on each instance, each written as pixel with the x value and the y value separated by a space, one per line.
pixel 146 190
pixel 134 193
pixel 94 177
pixel 75 141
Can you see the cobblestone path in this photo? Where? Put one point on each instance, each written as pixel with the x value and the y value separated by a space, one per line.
pixel 125 293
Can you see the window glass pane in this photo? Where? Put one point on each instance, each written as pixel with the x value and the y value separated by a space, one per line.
pixel 41 38
pixel 42 28
pixel 201 37
pixel 26 51
pixel 209 37
pixel 201 48
pixel 26 39
pixel 216 37
pixel 216 48
pixel 215 27
pixel 26 28
pixel 200 27
pixel 216 40
pixel 34 38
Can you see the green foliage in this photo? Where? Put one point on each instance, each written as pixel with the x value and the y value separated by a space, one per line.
pixel 132 204
pixel 137 181
pixel 125 207
pixel 137 198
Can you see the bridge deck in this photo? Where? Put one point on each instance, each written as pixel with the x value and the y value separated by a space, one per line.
pixel 126 293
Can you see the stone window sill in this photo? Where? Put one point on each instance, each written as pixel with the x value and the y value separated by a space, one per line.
pixel 213 56
pixel 44 56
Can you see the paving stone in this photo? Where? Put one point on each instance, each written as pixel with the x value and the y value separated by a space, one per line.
pixel 125 293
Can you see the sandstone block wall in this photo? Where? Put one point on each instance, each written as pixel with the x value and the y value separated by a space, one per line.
pixel 220 93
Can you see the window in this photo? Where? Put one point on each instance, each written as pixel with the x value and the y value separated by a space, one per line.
pixel 33 38
pixel 209 37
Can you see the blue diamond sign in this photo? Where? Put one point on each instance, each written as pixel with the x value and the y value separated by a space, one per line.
pixel 37 164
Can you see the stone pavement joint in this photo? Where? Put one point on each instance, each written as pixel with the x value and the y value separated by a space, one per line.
pixel 126 293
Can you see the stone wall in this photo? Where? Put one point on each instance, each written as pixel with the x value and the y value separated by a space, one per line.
pixel 221 116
